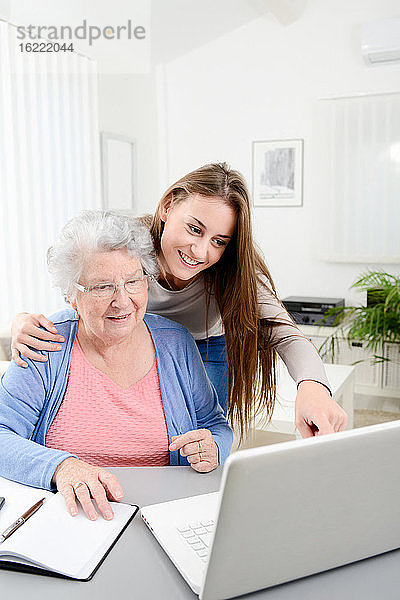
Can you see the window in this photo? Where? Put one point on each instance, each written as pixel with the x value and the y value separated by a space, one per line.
pixel 359 144
pixel 49 164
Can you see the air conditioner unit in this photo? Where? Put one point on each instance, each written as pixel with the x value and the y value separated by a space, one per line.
pixel 381 41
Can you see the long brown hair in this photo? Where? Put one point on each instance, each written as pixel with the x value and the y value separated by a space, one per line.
pixel 234 280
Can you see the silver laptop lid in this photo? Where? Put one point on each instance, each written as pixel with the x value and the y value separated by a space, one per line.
pixel 301 507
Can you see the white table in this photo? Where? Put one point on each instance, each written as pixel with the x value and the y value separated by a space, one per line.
pixel 341 379
pixel 138 569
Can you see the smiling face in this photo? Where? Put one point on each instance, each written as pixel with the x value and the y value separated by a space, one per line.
pixel 114 319
pixel 197 230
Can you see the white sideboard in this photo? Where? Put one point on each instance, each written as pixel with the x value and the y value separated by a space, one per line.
pixel 381 380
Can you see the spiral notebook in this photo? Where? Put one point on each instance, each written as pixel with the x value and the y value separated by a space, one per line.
pixel 52 542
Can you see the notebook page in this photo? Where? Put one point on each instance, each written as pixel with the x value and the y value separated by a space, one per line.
pixel 18 499
pixel 68 543
pixel 55 540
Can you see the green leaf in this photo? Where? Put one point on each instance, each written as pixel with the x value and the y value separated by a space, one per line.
pixel 373 325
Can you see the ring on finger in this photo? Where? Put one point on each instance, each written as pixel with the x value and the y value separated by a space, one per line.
pixel 78 484
pixel 200 447
pixel 201 456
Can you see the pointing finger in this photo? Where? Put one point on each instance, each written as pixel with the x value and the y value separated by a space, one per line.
pixel 305 430
pixel 324 426
pixel 194 435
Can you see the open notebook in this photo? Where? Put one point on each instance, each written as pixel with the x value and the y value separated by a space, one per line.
pixel 53 542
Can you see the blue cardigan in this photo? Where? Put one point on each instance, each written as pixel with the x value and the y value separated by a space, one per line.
pixel 31 397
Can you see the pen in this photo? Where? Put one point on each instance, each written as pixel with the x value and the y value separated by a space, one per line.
pixel 2 500
pixel 14 526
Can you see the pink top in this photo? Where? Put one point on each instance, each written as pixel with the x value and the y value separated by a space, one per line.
pixel 107 426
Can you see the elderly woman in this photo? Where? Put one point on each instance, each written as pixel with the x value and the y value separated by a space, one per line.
pixel 127 389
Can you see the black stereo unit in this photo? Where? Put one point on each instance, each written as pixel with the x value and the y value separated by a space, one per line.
pixel 310 311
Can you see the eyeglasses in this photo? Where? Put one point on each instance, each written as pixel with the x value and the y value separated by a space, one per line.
pixel 107 289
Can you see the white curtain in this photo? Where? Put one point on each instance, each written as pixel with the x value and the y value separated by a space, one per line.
pixel 49 164
pixel 359 150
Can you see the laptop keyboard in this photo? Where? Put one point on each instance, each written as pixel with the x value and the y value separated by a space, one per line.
pixel 198 536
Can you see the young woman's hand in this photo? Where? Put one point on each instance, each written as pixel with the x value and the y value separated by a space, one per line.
pixel 26 331
pixel 199 448
pixel 317 413
pixel 77 479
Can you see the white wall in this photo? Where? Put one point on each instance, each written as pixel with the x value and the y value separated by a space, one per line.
pixel 127 106
pixel 261 82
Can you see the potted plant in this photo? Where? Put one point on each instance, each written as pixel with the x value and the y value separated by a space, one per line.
pixel 375 324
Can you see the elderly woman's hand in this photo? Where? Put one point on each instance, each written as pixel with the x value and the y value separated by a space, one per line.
pixel 75 478
pixel 199 448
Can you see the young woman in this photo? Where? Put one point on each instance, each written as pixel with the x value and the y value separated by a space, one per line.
pixel 214 282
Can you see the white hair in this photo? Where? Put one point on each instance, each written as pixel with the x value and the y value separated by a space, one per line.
pixel 97 230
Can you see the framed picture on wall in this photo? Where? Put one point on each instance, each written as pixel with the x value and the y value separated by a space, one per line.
pixel 118 170
pixel 278 173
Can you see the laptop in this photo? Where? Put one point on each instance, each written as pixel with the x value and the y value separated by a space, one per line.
pixel 286 511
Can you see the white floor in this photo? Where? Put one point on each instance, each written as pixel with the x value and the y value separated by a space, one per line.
pixel 365 402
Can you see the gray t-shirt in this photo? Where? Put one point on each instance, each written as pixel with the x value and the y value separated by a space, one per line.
pixel 188 307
